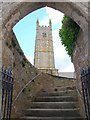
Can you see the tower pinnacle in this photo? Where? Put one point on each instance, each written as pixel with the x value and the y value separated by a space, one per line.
pixel 37 22
pixel 50 22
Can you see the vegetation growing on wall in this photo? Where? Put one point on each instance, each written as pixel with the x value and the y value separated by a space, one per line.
pixel 68 34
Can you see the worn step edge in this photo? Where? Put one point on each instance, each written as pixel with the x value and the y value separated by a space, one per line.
pixel 52 118
pixel 57 98
pixel 54 99
pixel 53 109
pixel 52 112
pixel 61 88
pixel 61 91
pixel 54 105
pixel 74 93
pixel 35 102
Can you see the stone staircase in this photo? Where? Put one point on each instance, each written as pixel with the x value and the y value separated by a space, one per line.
pixel 54 104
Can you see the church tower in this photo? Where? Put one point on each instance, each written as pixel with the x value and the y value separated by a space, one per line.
pixel 44 54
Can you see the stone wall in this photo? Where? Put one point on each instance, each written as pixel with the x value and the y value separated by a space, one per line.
pixel 14 58
pixel 80 60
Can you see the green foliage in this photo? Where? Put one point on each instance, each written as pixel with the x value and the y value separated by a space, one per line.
pixel 13 43
pixel 20 51
pixel 29 89
pixel 68 34
pixel 14 64
pixel 6 43
pixel 24 90
pixel 23 62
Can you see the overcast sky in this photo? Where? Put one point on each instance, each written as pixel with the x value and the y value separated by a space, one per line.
pixel 25 31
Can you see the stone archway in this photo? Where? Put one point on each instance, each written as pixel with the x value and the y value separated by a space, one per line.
pixel 12 56
pixel 17 11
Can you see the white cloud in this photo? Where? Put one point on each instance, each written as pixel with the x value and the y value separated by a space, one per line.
pixel 69 68
pixel 62 59
pixel 55 15
pixel 30 59
pixel 57 44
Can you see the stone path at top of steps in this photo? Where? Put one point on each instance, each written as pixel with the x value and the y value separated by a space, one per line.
pixel 54 104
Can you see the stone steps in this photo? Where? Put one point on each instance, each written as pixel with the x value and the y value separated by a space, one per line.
pixel 56 99
pixel 61 104
pixel 59 88
pixel 53 105
pixel 52 118
pixel 52 112
pixel 59 93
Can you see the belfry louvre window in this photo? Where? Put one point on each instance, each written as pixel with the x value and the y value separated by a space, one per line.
pixel 44 34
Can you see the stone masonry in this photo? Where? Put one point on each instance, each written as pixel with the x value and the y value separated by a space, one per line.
pixel 44 53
